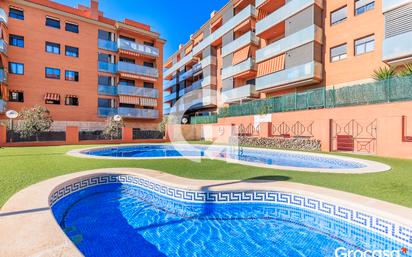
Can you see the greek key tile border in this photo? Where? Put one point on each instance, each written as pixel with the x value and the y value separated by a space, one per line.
pixel 386 227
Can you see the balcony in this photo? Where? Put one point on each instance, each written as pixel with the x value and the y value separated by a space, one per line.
pixel 3 47
pixel 107 67
pixel 107 45
pixel 107 90
pixel 137 91
pixel 398 49
pixel 309 34
pixel 170 97
pixel 239 93
pixel 179 64
pixel 244 40
pixel 106 111
pixel 167 110
pixel 289 9
pixel 3 76
pixel 134 113
pixel 169 83
pixel 3 16
pixel 237 69
pixel 186 75
pixel 295 76
pixel 137 48
pixel 3 106
pixel 138 69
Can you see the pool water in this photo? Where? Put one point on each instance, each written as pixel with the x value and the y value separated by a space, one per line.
pixel 126 220
pixel 279 158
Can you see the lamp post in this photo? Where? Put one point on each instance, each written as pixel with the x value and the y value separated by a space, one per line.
pixel 117 118
pixel 12 114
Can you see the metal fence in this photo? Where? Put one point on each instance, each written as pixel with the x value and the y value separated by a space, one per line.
pixel 98 135
pixel 204 119
pixel 55 136
pixel 147 134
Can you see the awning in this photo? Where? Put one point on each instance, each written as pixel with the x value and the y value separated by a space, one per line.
pixel 133 76
pixel 52 97
pixel 151 102
pixel 198 39
pixel 129 53
pixel 241 55
pixel 72 96
pixel 216 22
pixel 125 99
pixel 262 14
pixel 188 49
pixel 271 66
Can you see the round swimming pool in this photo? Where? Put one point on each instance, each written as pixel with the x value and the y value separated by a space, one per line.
pixel 278 159
pixel 145 219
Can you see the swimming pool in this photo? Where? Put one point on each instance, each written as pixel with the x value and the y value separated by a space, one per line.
pixel 279 159
pixel 129 216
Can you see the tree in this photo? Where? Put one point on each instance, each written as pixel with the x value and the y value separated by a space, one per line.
pixel 113 128
pixel 162 125
pixel 406 71
pixel 34 121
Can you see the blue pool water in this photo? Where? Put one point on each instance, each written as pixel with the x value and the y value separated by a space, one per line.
pixel 125 220
pixel 287 159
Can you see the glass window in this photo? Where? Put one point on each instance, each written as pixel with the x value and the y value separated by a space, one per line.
pixel 148 43
pixel 106 103
pixel 16 96
pixel 362 6
pixel 71 100
pixel 126 82
pixel 72 75
pixel 16 68
pixel 72 27
pixel 53 48
pixel 339 53
pixel 128 60
pixel 16 40
pixel 103 57
pixel 338 16
pixel 105 35
pixel 105 80
pixel 148 85
pixel 127 38
pixel 148 64
pixel 72 51
pixel 16 14
pixel 365 45
pixel 52 73
pixel 54 23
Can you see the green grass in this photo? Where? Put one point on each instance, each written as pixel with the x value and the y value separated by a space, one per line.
pixel 21 167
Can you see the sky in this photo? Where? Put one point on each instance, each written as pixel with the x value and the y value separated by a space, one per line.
pixel 175 20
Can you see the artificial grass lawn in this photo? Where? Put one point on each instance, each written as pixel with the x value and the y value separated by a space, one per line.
pixel 21 167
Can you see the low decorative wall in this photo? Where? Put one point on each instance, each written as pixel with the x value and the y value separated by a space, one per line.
pixel 300 144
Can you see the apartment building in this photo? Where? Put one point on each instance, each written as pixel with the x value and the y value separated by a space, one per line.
pixel 79 64
pixel 264 48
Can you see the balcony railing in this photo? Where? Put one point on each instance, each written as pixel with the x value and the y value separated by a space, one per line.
pixel 244 66
pixel 138 69
pixel 137 91
pixel 396 49
pixel 305 74
pixel 302 37
pixel 107 67
pixel 106 111
pixel 107 45
pixel 3 46
pixel 3 76
pixel 239 93
pixel 138 113
pixel 239 43
pixel 169 83
pixel 168 98
pixel 3 106
pixel 186 75
pixel 3 16
pixel 107 90
pixel 138 48
pixel 289 9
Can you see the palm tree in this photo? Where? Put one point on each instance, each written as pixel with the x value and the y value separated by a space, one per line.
pixel 383 73
pixel 407 70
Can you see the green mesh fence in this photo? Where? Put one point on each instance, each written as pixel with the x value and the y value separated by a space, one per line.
pixel 203 119
pixel 392 90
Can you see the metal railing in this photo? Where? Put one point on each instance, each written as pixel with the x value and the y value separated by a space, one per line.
pixel 99 135
pixel 137 91
pixel 107 90
pixel 147 134
pixel 14 136
pixel 204 119
pixel 137 69
pixel 136 47
pixel 138 113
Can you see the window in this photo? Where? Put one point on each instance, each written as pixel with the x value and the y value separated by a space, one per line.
pixel 16 14
pixel 127 38
pixel 148 85
pixel 128 60
pixel 54 23
pixel 104 57
pixel 362 6
pixel 105 103
pixel 126 82
pixel 126 105
pixel 53 48
pixel 148 64
pixel 148 44
pixel 72 51
pixel 105 35
pixel 16 68
pixel 338 16
pixel 72 100
pixel 16 96
pixel 16 40
pixel 70 27
pixel 339 53
pixel 72 75
pixel 52 98
pixel 365 45
pixel 105 80
pixel 52 73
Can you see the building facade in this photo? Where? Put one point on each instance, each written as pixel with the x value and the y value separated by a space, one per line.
pixel 79 64
pixel 258 49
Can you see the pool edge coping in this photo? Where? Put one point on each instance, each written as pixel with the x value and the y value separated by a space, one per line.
pixel 19 228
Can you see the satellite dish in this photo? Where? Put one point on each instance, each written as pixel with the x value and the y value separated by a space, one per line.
pixel 117 118
pixel 12 114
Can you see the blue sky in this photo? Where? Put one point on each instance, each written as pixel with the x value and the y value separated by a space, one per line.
pixel 175 20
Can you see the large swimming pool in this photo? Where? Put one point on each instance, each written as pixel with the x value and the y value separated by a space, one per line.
pixel 120 220
pixel 244 155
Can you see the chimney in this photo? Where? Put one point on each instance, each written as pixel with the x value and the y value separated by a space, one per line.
pixel 94 9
